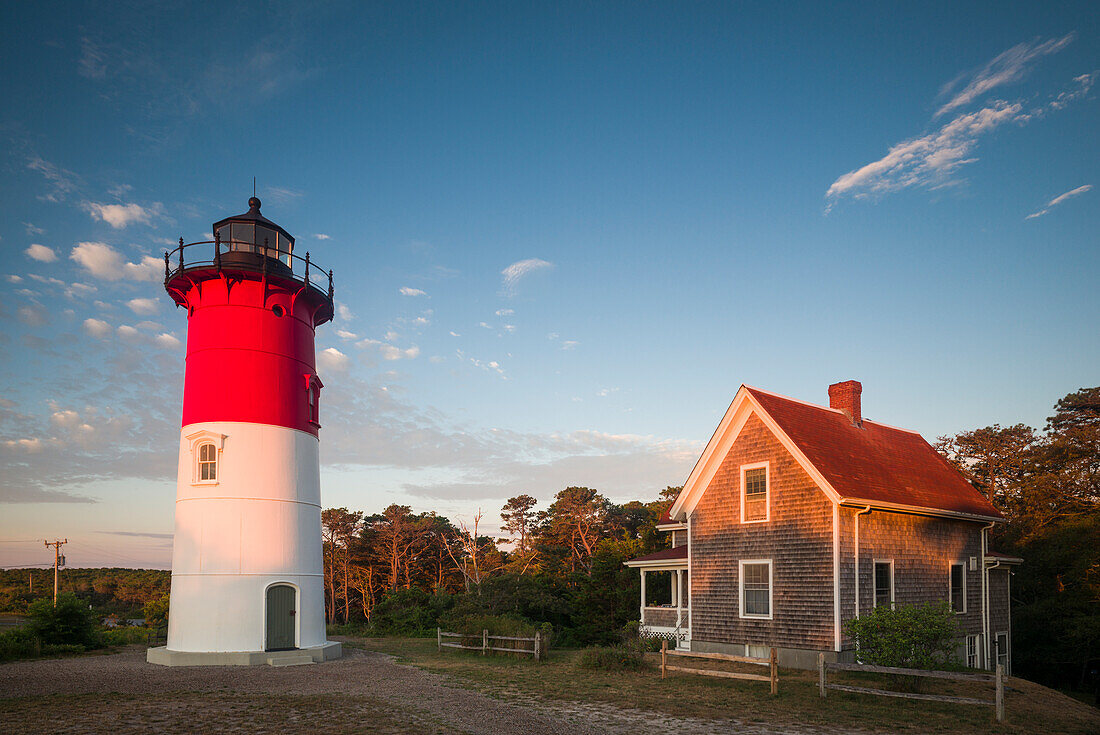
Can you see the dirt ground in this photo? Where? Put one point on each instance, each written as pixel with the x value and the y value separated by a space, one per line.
pixel 363 692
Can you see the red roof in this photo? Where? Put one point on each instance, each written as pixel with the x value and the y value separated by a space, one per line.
pixel 677 552
pixel 874 462
pixel 665 517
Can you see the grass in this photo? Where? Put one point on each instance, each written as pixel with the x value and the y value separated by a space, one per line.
pixel 1030 707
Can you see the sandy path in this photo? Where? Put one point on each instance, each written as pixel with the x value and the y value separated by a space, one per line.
pixel 363 692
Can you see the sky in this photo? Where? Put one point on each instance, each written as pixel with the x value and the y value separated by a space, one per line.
pixel 562 235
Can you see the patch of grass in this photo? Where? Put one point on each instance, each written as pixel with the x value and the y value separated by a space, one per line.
pixel 613 658
pixel 1031 708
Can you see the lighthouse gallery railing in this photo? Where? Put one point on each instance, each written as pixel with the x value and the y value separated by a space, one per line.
pixel 219 254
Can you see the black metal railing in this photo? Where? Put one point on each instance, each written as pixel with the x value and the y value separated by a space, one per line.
pixel 158 635
pixel 244 256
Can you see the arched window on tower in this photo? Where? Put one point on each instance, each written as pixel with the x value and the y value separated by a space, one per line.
pixel 208 463
pixel 313 399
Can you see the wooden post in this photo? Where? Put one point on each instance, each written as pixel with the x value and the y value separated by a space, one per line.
pixel 439 639
pixel 821 674
pixel 538 646
pixel 775 670
pixel 664 653
pixel 1000 693
pixel 484 642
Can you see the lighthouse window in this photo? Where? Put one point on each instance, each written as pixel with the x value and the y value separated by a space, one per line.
pixel 314 398
pixel 208 463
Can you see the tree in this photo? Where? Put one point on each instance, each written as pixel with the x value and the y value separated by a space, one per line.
pixel 475 557
pixel 339 527
pixel 994 458
pixel 575 521
pixel 399 535
pixel 519 516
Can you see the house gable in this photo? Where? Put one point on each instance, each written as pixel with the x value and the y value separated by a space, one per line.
pixel 744 406
pixel 796 540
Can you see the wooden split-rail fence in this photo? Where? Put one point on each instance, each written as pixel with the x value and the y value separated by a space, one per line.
pixel 772 662
pixel 486 645
pixel 998 679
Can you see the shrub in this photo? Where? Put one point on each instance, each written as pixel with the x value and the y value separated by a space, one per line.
pixel 613 658
pixel 20 643
pixel 69 622
pixel 124 635
pixel 908 636
pixel 156 611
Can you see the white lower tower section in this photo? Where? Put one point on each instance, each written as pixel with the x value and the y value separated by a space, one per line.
pixel 256 525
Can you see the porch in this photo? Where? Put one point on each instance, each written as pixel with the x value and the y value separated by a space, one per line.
pixel 665 604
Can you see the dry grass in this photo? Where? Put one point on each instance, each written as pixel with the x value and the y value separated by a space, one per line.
pixel 1030 707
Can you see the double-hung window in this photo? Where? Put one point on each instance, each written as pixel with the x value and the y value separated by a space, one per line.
pixel 957 587
pixel 756 588
pixel 884 583
pixel 972 651
pixel 208 463
pixel 754 493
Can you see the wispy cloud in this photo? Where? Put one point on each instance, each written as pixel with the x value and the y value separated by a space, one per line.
pixel 119 216
pixel 933 160
pixel 407 291
pixel 1008 67
pixel 61 182
pixel 513 273
pixel 322 236
pixel 41 253
pixel 388 351
pixel 1059 199
pixel 144 306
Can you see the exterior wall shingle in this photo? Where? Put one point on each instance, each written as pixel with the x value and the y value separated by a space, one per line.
pixel 797 538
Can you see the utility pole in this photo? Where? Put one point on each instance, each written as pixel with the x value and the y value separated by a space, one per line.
pixel 58 561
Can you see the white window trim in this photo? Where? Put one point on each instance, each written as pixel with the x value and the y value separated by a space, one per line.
pixel 741 589
pixel 874 582
pixel 951 590
pixel 198 439
pixel 768 494
pixel 997 653
pixel 977 651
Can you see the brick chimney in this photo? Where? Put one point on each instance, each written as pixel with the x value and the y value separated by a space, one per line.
pixel 845 396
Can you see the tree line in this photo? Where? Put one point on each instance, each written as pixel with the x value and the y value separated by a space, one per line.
pixel 1047 484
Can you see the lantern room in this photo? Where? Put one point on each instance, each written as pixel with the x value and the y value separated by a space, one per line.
pixel 251 232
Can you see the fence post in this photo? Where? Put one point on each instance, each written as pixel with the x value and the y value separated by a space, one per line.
pixel 664 652
pixel 439 639
pixel 1000 693
pixel 821 674
pixel 538 646
pixel 484 642
pixel 775 670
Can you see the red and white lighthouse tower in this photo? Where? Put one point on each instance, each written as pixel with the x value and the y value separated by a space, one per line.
pixel 246 567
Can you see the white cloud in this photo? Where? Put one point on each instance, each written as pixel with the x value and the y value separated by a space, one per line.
pixel 143 307
pixel 119 216
pixel 41 253
pixel 166 341
pixel 1059 199
pixel 103 261
pixel 1010 66
pixel 322 236
pixel 453 333
pixel 333 359
pixel 505 312
pixel 932 160
pixel 344 313
pixel 33 230
pixel 346 335
pixel 97 328
pixel 513 273
pixel 150 326
pixel 391 336
pixel 127 332
pixel 407 291
pixel 389 352
pixel 12 278
pixel 569 344
pixel 80 290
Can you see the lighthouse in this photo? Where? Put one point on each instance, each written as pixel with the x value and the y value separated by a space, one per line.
pixel 247 574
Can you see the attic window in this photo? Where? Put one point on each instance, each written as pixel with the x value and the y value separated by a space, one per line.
pixel 754 493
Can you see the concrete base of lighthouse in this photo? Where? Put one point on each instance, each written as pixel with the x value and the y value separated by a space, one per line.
pixel 317 654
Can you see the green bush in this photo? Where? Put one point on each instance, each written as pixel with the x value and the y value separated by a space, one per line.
pixel 69 622
pixel 20 643
pixel 908 636
pixel 156 611
pixel 614 658
pixel 124 635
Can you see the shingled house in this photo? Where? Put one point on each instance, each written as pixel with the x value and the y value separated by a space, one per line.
pixel 798 517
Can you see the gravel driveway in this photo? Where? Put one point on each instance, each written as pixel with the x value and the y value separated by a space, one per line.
pixel 363 692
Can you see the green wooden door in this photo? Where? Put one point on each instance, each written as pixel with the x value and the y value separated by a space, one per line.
pixel 280 617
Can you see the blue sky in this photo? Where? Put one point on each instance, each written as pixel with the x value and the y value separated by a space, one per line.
pixel 562 235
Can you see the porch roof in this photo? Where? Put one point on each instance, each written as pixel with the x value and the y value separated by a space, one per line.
pixel 676 557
